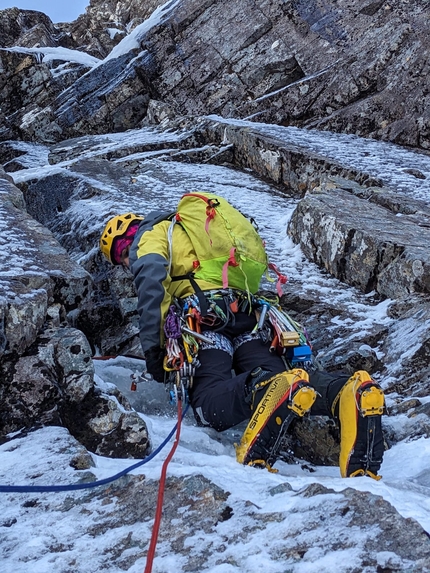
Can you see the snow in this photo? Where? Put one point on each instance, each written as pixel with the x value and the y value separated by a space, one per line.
pixel 49 54
pixel 132 40
pixel 113 32
pixel 36 162
pixel 299 82
pixel 382 160
pixel 34 154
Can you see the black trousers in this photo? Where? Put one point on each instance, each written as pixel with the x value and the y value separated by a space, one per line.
pixel 218 393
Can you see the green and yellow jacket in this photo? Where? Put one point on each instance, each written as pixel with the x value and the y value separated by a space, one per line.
pixel 150 264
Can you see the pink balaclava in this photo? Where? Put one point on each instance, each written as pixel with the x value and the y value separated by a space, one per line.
pixel 123 242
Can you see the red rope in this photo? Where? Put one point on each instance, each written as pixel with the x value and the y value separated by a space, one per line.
pixel 159 510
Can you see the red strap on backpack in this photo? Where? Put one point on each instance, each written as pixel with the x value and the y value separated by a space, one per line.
pixel 210 209
pixel 282 279
pixel 231 262
pixel 210 212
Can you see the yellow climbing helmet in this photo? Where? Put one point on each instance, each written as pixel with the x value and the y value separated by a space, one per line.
pixel 116 227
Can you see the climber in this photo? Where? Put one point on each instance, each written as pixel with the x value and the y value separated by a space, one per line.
pixel 237 378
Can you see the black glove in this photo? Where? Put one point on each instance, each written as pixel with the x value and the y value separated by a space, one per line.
pixel 154 357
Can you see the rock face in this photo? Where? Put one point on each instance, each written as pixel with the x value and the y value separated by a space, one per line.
pixel 26 28
pixel 39 272
pixel 46 368
pixel 209 513
pixel 105 23
pixel 364 243
pixel 349 67
pixel 302 63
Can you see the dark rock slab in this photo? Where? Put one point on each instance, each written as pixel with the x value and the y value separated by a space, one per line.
pixel 36 273
pixel 363 244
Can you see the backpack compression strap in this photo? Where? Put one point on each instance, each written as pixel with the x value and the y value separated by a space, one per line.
pixel 282 279
pixel 231 262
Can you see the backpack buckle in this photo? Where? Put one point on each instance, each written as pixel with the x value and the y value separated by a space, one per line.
pixel 213 203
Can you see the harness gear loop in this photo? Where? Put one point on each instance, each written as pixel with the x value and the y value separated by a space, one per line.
pixel 182 332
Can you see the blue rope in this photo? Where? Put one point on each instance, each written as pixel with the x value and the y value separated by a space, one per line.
pixel 76 486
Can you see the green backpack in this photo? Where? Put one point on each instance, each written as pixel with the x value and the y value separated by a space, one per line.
pixel 226 243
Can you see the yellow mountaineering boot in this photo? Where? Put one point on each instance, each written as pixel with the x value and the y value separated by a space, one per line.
pixel 275 401
pixel 361 404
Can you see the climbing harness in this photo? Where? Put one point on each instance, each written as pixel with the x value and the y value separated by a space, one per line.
pixel 186 321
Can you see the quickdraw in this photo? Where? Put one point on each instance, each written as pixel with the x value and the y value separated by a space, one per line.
pixel 182 330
